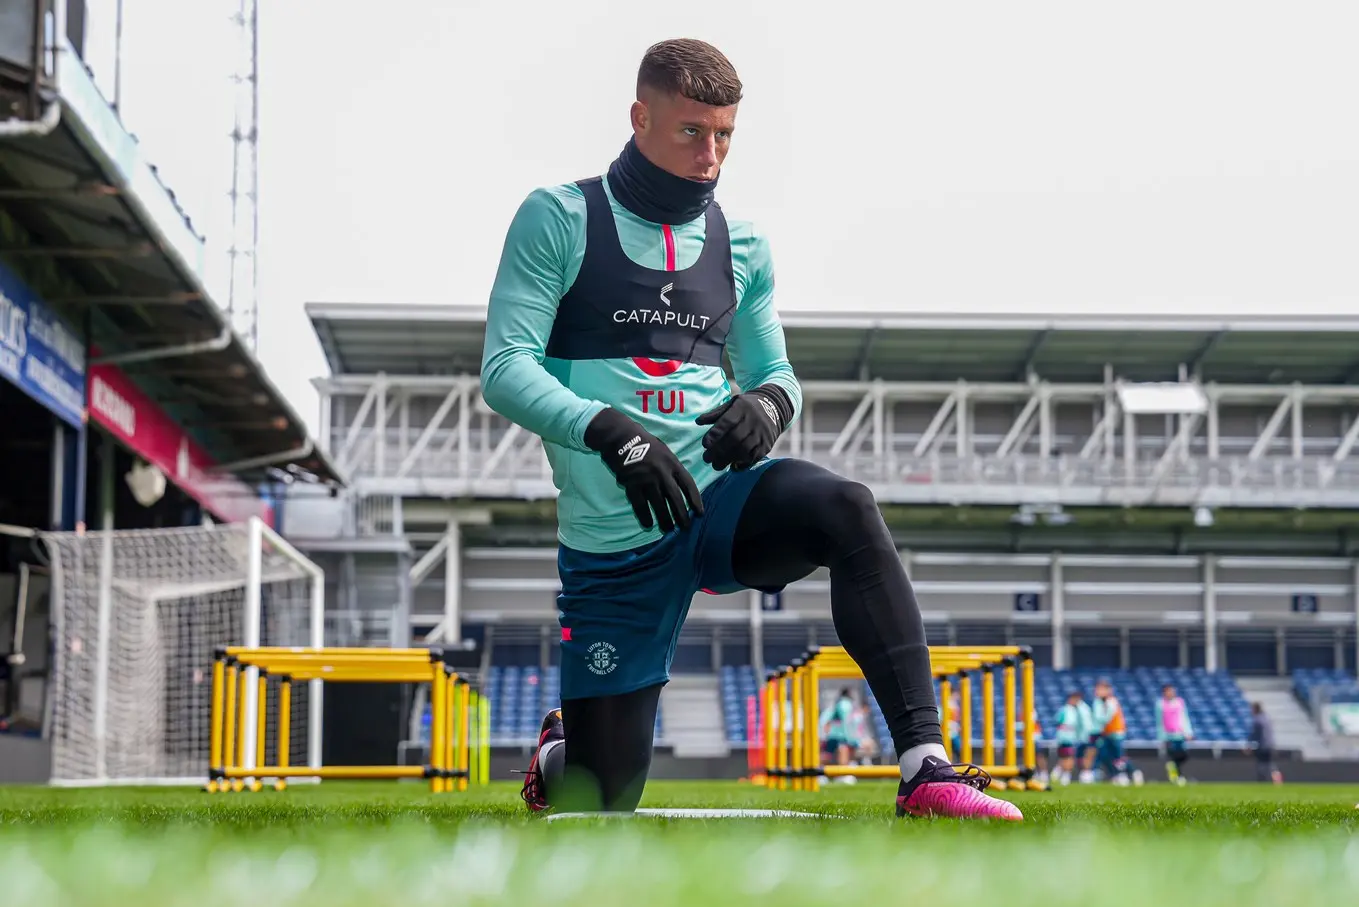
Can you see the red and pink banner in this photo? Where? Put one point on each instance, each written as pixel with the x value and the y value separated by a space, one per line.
pixel 131 417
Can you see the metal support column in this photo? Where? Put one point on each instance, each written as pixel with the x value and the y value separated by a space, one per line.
pixel 324 407
pixel 756 632
pixel 1129 445
pixel 1296 424
pixel 349 577
pixel 453 584
pixel 1058 594
pixel 380 435
pixel 1045 427
pixel 962 426
pixel 59 491
pixel 1214 446
pixel 401 617
pixel 1210 652
pixel 104 612
pixel 75 459
pixel 1354 593
pixel 1110 414
pixel 403 424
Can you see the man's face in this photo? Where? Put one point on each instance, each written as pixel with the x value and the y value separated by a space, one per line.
pixel 681 136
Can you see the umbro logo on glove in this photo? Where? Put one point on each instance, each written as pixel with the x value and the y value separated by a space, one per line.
pixel 659 488
pixel 771 410
pixel 631 454
pixel 746 427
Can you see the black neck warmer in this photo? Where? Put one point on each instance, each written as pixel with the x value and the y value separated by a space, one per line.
pixel 654 194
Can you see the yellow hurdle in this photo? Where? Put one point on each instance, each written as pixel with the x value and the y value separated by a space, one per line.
pixel 791 713
pixel 456 754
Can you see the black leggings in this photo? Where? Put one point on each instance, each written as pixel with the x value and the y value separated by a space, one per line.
pixel 798 517
pixel 608 752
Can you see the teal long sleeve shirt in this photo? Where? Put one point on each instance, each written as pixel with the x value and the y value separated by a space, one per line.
pixel 1071 726
pixel 556 399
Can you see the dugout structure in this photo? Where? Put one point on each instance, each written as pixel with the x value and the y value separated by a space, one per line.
pixel 790 710
pixel 459 746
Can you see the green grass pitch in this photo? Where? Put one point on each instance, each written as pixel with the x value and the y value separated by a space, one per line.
pixel 395 844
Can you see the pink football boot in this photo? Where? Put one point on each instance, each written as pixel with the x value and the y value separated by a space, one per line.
pixel 952 792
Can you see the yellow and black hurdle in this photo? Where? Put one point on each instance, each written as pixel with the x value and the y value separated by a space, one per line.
pixel 459 746
pixel 791 712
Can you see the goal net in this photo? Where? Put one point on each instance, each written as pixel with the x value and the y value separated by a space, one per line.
pixel 137 616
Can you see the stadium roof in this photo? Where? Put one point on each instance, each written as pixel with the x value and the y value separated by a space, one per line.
pixel 443 340
pixel 90 226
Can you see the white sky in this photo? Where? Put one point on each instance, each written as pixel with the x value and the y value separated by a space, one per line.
pixel 1185 156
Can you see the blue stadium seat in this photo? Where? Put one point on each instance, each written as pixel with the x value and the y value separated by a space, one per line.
pixel 736 684
pixel 521 695
pixel 1307 681
pixel 1217 706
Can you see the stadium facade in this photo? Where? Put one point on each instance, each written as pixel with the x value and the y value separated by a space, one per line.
pixel 129 403
pixel 1111 491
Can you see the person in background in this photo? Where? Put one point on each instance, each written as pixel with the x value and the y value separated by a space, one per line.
pixel 1072 732
pixel 1086 751
pixel 1262 745
pixel 955 725
pixel 837 730
pixel 1040 776
pixel 868 748
pixel 1113 728
pixel 1173 732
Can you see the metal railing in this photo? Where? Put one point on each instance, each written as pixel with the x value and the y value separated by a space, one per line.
pixel 505 458
pixel 354 629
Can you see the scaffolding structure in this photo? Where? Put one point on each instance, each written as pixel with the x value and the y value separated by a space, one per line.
pixel 243 305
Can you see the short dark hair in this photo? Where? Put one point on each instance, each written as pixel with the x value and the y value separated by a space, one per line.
pixel 690 68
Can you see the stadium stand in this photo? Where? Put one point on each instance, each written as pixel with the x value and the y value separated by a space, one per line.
pixel 1136 498
pixel 738 685
pixel 1216 704
pixel 519 697
pixel 1309 681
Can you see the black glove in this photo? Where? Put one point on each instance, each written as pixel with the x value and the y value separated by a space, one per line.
pixel 746 427
pixel 649 473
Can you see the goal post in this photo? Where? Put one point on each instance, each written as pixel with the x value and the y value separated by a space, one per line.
pixel 137 618
pixel 260 536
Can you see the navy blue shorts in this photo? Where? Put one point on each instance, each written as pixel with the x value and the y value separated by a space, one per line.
pixel 1176 748
pixel 621 612
pixel 1110 751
